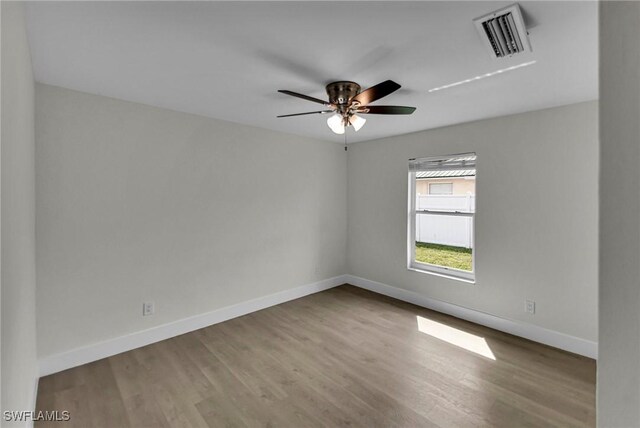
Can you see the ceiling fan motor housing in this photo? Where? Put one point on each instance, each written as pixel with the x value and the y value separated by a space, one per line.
pixel 341 92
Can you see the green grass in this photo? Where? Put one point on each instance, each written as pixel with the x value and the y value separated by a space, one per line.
pixel 444 255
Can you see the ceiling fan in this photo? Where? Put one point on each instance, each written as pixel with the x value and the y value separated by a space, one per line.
pixel 347 101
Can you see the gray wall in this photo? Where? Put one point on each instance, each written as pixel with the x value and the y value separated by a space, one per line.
pixel 536 221
pixel 19 364
pixel 619 362
pixel 137 203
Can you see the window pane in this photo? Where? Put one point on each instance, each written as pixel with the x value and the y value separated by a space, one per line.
pixel 441 188
pixel 443 204
pixel 444 240
pixel 451 203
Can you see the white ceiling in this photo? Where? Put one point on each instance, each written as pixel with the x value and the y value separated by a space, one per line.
pixel 227 59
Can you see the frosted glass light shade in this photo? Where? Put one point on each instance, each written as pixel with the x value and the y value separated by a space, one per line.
pixel 336 124
pixel 357 122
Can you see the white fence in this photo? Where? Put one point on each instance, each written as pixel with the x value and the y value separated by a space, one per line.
pixel 442 229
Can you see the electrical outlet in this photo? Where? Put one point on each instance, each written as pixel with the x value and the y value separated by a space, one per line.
pixel 148 308
pixel 530 306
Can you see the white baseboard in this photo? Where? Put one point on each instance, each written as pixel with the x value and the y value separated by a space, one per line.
pixel 86 354
pixel 528 331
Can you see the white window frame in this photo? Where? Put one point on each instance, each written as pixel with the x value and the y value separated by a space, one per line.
pixel 414 265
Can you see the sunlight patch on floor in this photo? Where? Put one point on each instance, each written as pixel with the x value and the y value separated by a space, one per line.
pixel 459 338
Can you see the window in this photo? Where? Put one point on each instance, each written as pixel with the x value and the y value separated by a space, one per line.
pixel 441 188
pixel 441 223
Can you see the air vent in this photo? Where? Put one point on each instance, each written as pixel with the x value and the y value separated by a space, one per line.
pixel 503 32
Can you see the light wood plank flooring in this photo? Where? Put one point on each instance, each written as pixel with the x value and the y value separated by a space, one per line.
pixel 343 357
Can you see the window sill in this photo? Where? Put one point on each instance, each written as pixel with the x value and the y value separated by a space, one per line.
pixel 443 275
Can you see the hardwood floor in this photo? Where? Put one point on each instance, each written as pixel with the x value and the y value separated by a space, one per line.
pixel 343 357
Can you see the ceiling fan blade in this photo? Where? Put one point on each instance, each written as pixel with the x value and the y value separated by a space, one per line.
pixel 386 110
pixel 310 112
pixel 376 92
pixel 304 97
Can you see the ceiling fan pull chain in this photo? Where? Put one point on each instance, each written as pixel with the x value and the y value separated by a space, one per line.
pixel 345 139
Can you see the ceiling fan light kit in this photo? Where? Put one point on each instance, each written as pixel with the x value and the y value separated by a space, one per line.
pixel 347 101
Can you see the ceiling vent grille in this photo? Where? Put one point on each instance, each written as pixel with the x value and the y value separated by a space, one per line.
pixel 503 32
